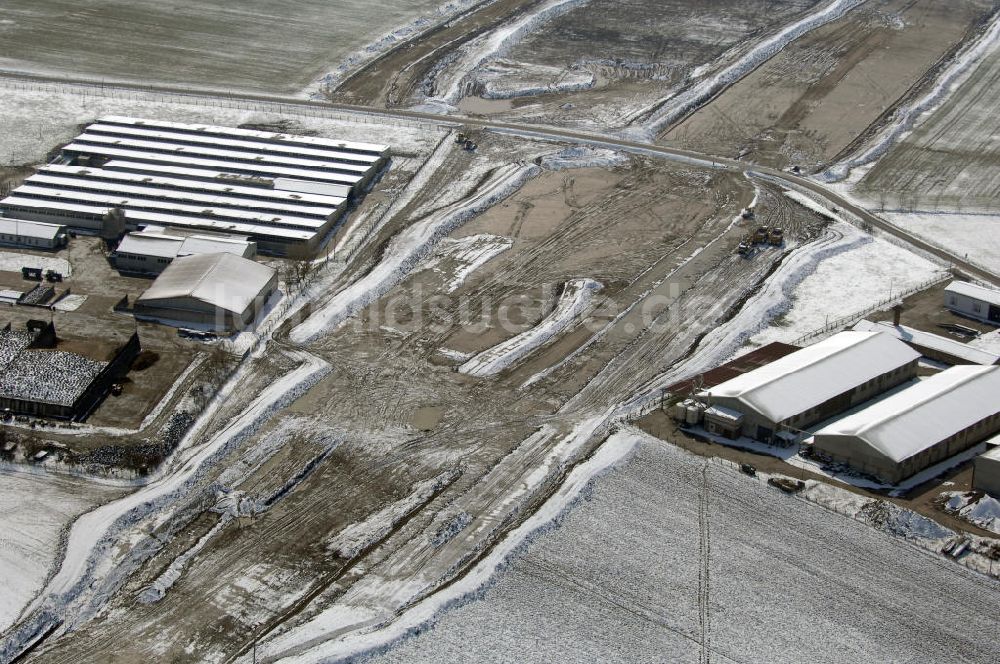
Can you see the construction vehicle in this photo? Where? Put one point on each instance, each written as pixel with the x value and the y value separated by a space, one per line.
pixel 470 146
pixel 776 236
pixel 748 213
pixel 760 235
pixel 744 249
pixel 461 137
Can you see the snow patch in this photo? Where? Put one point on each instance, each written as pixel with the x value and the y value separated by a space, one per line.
pixel 574 301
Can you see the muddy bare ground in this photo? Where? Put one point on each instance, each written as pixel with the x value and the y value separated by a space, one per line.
pixel 574 223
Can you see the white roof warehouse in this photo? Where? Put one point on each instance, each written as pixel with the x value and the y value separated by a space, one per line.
pixel 284 192
pixel 817 382
pixel 919 426
pixel 219 292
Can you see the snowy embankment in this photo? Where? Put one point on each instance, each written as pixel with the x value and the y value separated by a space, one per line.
pixel 906 117
pixel 456 259
pixel 573 303
pixel 382 634
pixel 701 91
pixel 507 79
pixel 91 565
pixel 452 82
pixel 406 250
pixel 975 507
pixel 388 41
pixel 583 157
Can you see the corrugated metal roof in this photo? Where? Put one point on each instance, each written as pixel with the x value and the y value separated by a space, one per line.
pixel 209 198
pixel 150 133
pixel 809 377
pixel 268 171
pixel 208 184
pixel 977 292
pixel 150 244
pixel 225 281
pixel 140 216
pixel 917 418
pixel 250 133
pixel 932 341
pixel 158 147
pixel 24 228
pixel 110 199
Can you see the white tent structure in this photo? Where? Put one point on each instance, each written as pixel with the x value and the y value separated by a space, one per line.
pixel 816 383
pixel 218 292
pixel 919 426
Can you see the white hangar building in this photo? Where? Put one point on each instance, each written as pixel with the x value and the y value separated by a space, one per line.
pixel 919 426
pixel 284 192
pixel 973 301
pixel 986 472
pixel 218 292
pixel 810 385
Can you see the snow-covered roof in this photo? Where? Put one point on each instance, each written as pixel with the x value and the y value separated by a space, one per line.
pixel 234 143
pixel 353 146
pixel 917 418
pixel 143 216
pixel 50 376
pixel 993 454
pixel 24 228
pixel 976 292
pixel 222 280
pixel 809 377
pixel 933 341
pixel 150 244
pixel 155 147
pixel 49 181
pixel 209 181
pixel 725 413
pixel 262 169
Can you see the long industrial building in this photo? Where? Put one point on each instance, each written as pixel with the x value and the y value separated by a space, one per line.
pixel 149 251
pixel 919 426
pixel 810 385
pixel 283 192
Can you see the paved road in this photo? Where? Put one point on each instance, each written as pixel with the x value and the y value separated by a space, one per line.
pixel 289 104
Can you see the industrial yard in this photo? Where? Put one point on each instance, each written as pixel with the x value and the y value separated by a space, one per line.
pixel 526 330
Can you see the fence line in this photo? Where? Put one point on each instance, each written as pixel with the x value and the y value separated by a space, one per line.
pixel 880 305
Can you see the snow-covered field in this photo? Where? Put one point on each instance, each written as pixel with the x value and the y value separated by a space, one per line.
pixel 975 237
pixel 672 558
pixel 34 510
pixel 858 273
pixel 37 118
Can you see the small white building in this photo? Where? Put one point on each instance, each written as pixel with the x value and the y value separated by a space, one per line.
pixel 31 234
pixel 919 426
pixel 812 384
pixel 973 301
pixel 218 292
pixel 152 249
pixel 986 472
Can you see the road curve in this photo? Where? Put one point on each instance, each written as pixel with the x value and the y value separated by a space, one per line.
pixel 285 104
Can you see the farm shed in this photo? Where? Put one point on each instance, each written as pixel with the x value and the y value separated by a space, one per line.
pixel 919 426
pixel 31 234
pixel 815 383
pixel 38 379
pixel 986 472
pixel 150 251
pixel 218 292
pixel 283 192
pixel 932 346
pixel 974 301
